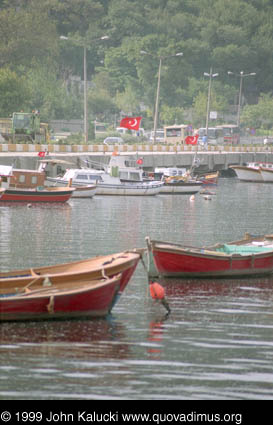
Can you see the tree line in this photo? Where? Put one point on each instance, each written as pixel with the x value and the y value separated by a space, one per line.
pixel 41 53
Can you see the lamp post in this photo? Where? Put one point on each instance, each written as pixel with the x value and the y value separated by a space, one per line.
pixel 85 104
pixel 143 52
pixel 241 75
pixel 210 75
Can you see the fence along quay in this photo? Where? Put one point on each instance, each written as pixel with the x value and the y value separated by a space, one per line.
pixel 215 158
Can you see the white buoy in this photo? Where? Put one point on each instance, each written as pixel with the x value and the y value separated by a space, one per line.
pixel 192 198
pixel 29 205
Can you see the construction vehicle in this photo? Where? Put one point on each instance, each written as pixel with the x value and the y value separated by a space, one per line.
pixel 24 127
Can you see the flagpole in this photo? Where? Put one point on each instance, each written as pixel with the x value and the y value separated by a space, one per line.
pixel 157 98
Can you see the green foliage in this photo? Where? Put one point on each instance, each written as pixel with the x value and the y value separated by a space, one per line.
pixel 232 35
pixel 259 115
pixel 14 95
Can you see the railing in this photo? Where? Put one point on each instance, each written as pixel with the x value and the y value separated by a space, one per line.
pixel 62 149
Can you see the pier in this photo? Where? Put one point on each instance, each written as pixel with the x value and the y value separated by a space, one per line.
pixel 214 159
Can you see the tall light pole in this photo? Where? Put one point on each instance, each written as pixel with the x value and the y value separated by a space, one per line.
pixel 241 75
pixel 85 104
pixel 143 52
pixel 210 75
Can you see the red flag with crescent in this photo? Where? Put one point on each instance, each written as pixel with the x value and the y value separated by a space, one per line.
pixel 192 140
pixel 132 123
pixel 41 154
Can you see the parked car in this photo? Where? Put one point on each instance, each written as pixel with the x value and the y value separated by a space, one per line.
pixel 113 140
pixel 268 141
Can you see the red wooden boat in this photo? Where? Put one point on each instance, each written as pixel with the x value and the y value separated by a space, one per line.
pixel 67 300
pixel 28 186
pixel 49 194
pixel 251 256
pixel 29 290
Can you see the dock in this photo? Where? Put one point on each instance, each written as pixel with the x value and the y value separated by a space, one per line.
pixel 216 158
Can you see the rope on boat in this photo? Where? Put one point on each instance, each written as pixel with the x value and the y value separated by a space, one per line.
pixel 50 305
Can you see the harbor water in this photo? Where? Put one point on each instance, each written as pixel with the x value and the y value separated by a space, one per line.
pixel 216 343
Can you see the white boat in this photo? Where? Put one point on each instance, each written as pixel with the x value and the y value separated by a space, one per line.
pixel 119 177
pixel 249 172
pixel 82 190
pixel 254 172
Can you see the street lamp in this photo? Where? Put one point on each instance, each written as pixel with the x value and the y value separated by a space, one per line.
pixel 143 52
pixel 105 37
pixel 241 75
pixel 210 75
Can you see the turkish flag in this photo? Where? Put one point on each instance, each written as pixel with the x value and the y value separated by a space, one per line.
pixel 132 123
pixel 140 161
pixel 41 154
pixel 192 140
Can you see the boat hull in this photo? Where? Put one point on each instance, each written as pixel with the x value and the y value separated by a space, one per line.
pixel 267 175
pixel 89 299
pixel 129 189
pixel 123 263
pixel 84 191
pixel 184 188
pixel 248 174
pixel 32 195
pixel 173 260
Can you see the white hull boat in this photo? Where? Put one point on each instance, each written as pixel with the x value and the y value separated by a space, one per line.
pixel 261 172
pixel 248 173
pixel 116 179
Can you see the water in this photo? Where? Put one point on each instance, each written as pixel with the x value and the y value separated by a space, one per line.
pixel 217 341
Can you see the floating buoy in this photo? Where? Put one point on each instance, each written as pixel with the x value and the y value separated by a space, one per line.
pixel 29 205
pixel 192 198
pixel 157 292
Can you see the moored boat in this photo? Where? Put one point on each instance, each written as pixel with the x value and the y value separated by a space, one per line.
pixel 117 178
pixel 28 186
pixel 50 194
pixel 251 256
pixel 47 300
pixel 91 268
pixel 254 172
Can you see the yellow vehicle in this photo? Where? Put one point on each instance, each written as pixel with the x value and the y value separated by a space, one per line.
pixel 177 133
pixel 24 127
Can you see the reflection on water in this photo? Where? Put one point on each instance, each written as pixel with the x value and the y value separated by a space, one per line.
pixel 215 344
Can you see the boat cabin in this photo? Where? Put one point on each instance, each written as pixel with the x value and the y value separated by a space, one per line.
pixel 27 179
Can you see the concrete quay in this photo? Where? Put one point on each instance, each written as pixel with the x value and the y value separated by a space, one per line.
pixel 211 160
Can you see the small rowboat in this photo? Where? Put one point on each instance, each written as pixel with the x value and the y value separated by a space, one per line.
pixel 251 256
pixel 84 275
pixel 45 300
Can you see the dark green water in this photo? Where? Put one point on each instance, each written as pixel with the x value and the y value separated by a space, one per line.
pixel 217 342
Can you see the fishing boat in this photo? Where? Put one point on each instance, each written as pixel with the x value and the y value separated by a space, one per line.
pixel 30 186
pixel 119 177
pixel 251 256
pixel 71 299
pixel 85 275
pixel 209 179
pixel 254 172
pixel 177 181
pixel 27 186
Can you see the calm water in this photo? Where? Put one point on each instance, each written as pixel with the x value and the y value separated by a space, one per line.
pixel 217 342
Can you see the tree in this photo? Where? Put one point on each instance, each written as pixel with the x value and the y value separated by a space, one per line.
pixel 14 95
